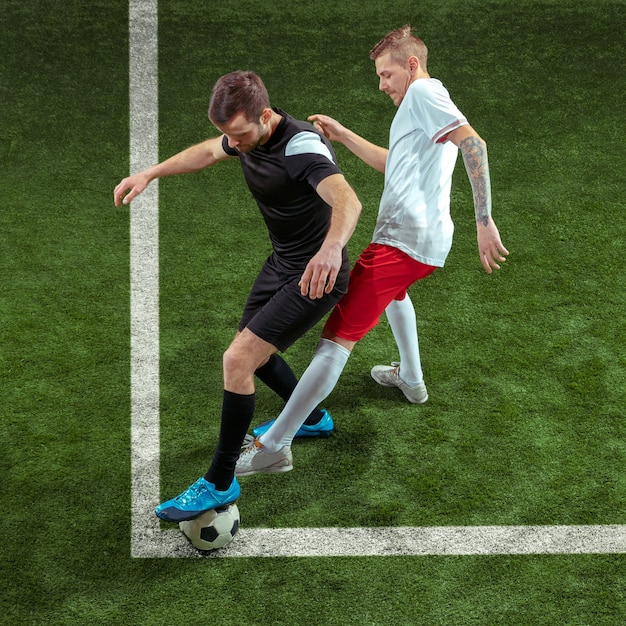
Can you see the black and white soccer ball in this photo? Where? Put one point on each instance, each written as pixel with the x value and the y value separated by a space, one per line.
pixel 213 529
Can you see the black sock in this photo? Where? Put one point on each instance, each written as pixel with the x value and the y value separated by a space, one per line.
pixel 279 377
pixel 314 417
pixel 237 413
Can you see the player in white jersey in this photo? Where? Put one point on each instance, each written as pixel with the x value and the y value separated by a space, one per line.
pixel 412 237
pixel 414 211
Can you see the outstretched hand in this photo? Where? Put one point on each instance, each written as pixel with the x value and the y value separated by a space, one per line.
pixel 328 126
pixel 134 185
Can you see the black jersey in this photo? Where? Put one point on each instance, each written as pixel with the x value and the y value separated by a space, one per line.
pixel 282 175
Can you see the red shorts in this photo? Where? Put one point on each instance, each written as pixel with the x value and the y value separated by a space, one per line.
pixel 380 275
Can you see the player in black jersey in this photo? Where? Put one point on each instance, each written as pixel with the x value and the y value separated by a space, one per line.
pixel 310 212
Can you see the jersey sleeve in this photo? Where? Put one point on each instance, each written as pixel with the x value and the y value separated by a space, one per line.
pixel 227 149
pixel 309 158
pixel 434 110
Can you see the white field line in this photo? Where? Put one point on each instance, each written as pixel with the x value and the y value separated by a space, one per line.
pixel 144 274
pixel 147 539
pixel 397 541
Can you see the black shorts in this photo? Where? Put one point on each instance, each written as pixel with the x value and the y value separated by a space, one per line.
pixel 278 313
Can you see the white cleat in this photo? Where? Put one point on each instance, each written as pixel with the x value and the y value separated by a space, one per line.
pixel 255 459
pixel 389 376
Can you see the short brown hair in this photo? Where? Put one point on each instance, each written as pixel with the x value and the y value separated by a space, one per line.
pixel 238 92
pixel 402 43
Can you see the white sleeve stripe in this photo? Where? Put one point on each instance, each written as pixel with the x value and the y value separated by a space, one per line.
pixel 448 129
pixel 307 143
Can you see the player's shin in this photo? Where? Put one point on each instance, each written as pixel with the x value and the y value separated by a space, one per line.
pixel 401 316
pixel 316 383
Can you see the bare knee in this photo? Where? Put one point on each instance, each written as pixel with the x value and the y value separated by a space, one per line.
pixel 235 360
pixel 347 344
pixel 240 361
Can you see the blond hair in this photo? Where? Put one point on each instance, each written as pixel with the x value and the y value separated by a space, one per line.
pixel 401 43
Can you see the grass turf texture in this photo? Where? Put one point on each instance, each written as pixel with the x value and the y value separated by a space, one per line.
pixel 525 368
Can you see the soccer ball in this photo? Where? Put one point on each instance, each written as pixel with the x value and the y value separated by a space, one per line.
pixel 213 529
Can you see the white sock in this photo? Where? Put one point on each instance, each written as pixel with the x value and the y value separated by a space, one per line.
pixel 318 380
pixel 401 316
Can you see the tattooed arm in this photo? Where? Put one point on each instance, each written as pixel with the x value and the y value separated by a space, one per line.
pixel 474 152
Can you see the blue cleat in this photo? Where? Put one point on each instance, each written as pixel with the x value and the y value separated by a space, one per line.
pixel 195 500
pixel 323 428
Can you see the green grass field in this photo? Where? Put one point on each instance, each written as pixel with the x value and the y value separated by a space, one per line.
pixel 525 368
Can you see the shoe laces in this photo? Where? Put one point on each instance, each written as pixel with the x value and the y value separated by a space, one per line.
pixel 251 449
pixel 195 490
pixel 396 368
pixel 395 372
pixel 248 440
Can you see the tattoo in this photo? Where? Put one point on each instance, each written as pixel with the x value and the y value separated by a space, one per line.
pixel 474 151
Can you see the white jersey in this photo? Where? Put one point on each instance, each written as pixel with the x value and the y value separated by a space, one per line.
pixel 414 213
